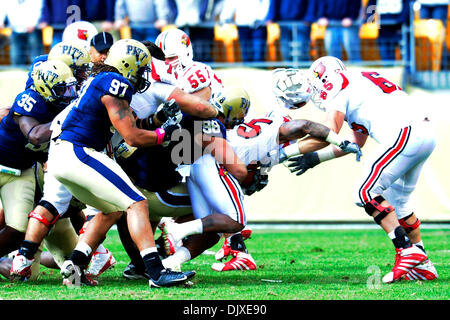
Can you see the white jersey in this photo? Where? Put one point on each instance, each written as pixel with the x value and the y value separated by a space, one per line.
pixel 198 76
pixel 147 102
pixel 255 139
pixel 372 105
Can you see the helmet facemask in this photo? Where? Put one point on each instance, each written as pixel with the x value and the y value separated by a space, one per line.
pixel 64 92
pixel 141 82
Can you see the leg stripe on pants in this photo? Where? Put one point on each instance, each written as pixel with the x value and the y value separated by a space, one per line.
pixel 233 192
pixel 382 162
pixel 173 200
pixel 107 173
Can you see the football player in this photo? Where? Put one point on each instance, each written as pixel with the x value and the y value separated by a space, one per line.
pixel 374 106
pixel 56 199
pixel 152 168
pixel 97 180
pixel 257 141
pixel 25 134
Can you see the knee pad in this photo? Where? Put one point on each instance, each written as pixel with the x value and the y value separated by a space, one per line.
pixel 409 227
pixel 48 206
pixel 375 205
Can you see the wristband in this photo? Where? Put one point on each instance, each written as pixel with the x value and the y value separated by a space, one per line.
pixel 160 133
pixel 326 154
pixel 333 138
pixel 291 150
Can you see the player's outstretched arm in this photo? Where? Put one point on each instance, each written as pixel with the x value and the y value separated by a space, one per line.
pixel 123 120
pixel 193 104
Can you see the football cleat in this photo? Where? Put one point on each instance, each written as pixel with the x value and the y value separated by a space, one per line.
pixel 223 252
pixel 132 273
pixel 240 261
pixel 246 233
pixel 74 276
pixel 169 242
pixel 21 268
pixel 405 260
pixel 424 271
pixel 169 278
pixel 100 262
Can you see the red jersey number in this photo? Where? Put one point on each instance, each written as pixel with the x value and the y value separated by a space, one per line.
pixel 385 85
pixel 195 82
pixel 251 129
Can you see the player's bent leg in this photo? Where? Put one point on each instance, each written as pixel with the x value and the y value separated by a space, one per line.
pixel 407 255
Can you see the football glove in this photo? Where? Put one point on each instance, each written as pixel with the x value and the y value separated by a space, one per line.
pixel 169 128
pixel 301 164
pixel 167 110
pixel 351 147
pixel 259 182
pixel 124 150
pixel 37 148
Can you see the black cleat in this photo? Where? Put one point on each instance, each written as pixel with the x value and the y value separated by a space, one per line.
pixel 169 278
pixel 132 273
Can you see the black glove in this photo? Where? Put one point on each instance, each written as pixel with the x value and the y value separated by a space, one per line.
pixel 168 110
pixel 303 162
pixel 169 129
pixel 259 182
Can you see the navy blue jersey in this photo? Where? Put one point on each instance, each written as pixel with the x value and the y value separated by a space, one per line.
pixel 37 61
pixel 88 123
pixel 151 168
pixel 210 127
pixel 13 150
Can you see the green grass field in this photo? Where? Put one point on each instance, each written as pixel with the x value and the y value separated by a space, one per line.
pixel 292 264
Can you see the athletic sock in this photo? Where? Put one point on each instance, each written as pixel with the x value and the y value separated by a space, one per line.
pixel 29 249
pixel 180 256
pixel 81 255
pixel 185 229
pixel 399 238
pixel 152 262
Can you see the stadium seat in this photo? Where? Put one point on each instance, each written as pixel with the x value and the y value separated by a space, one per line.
pixel 227 43
pixel 317 41
pixel 47 36
pixel 273 42
pixel 368 33
pixel 429 35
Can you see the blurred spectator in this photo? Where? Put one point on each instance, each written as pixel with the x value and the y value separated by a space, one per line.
pixel 146 18
pixel 392 14
pixel 100 45
pixel 26 38
pixel 56 13
pixel 303 11
pixel 250 16
pixel 342 19
pixel 434 9
pixel 188 15
pixel 99 12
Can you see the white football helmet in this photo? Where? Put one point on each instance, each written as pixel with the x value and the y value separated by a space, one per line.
pixel 291 87
pixel 324 78
pixel 176 43
pixel 81 31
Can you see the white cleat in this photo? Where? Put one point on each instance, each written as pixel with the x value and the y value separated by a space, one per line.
pixel 21 268
pixel 100 262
